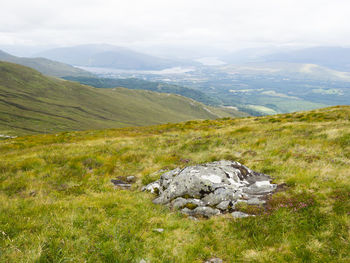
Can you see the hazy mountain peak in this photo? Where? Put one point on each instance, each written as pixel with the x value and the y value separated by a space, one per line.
pixel 108 56
pixel 45 66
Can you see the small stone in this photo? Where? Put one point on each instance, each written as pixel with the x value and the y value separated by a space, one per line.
pixel 255 201
pixel 238 214
pixel 224 205
pixel 159 230
pixel 187 211
pixel 143 261
pixel 152 187
pixel 130 178
pixel 214 260
pixel 120 184
pixel 180 202
pixel 193 218
pixel 206 211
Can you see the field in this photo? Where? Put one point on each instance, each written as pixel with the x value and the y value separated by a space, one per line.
pixel 57 203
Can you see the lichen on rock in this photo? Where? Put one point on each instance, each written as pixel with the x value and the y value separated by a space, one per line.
pixel 210 189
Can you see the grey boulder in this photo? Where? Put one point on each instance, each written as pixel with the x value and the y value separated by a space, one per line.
pixel 211 188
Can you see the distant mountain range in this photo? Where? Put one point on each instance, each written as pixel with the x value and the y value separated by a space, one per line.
pixel 333 57
pixel 337 58
pixel 46 66
pixel 33 103
pixel 108 56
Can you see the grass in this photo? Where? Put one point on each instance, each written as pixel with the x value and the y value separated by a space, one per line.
pixel 133 83
pixel 57 203
pixel 32 103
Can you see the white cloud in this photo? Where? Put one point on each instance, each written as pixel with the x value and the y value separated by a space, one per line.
pixel 221 23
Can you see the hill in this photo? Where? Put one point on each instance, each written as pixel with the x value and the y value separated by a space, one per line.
pixel 333 57
pixel 57 202
pixel 33 103
pixel 108 56
pixel 134 83
pixel 46 66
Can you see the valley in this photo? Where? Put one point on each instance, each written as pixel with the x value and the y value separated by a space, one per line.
pixel 31 103
pixel 255 89
pixel 174 131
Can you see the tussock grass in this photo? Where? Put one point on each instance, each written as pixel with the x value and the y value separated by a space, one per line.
pixel 57 203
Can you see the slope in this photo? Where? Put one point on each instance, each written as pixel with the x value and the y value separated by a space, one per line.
pixel 134 83
pixel 57 203
pixel 33 103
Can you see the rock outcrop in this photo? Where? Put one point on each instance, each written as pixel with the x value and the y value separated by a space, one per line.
pixel 211 189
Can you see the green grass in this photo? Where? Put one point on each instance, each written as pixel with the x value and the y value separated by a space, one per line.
pixel 57 203
pixel 133 83
pixel 33 103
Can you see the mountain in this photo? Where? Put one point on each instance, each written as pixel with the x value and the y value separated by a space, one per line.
pixel 58 203
pixel 251 55
pixel 33 103
pixel 46 66
pixel 337 58
pixel 134 83
pixel 108 56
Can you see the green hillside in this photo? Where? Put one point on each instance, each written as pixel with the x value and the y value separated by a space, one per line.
pixel 46 66
pixel 134 83
pixel 33 103
pixel 57 203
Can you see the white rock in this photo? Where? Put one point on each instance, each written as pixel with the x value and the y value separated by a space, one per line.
pixel 224 205
pixel 262 183
pixel 130 178
pixel 238 214
pixel 212 178
pixel 159 230
pixel 255 201
pixel 206 186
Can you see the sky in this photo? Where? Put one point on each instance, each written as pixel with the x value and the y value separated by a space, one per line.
pixel 220 24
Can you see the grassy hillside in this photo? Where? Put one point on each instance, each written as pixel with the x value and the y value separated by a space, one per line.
pixel 33 103
pixel 133 83
pixel 46 66
pixel 57 203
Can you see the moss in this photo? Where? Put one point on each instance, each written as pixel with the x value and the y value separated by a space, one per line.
pixel 191 206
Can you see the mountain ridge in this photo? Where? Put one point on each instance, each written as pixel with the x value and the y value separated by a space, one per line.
pixel 46 66
pixel 108 56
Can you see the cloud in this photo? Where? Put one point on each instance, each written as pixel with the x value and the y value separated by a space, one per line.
pixel 224 23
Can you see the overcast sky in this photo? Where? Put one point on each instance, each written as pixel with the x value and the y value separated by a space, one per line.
pixel 228 24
